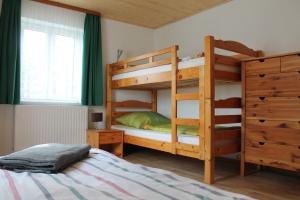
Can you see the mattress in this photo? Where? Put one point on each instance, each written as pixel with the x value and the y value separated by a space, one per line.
pixel 105 176
pixel 165 68
pixel 156 135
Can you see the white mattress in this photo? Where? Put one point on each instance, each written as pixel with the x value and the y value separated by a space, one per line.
pixel 156 135
pixel 165 68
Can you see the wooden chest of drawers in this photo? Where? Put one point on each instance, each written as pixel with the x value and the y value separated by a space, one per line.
pixel 271 112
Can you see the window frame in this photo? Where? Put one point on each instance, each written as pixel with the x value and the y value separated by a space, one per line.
pixel 56 29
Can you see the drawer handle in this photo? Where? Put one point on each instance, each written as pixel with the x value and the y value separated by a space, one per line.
pixel 262 120
pixel 261 60
pixel 261 143
pixel 262 75
pixel 262 98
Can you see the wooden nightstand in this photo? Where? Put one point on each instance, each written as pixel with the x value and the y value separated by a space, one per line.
pixel 107 139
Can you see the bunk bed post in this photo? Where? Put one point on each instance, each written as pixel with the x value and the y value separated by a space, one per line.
pixel 108 97
pixel 173 96
pixel 209 113
pixel 201 113
pixel 242 165
pixel 154 100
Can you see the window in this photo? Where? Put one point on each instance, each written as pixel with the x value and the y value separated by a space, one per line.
pixel 51 62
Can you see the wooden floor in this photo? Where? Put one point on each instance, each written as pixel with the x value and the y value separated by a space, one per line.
pixel 265 184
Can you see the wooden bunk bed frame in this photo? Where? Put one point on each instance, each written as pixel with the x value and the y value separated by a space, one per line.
pixel 212 142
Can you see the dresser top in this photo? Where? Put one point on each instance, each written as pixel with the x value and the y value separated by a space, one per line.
pixel 271 56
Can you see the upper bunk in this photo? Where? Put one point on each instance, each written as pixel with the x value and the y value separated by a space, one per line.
pixel 154 70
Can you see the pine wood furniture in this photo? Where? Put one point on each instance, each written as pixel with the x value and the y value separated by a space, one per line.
pixel 212 142
pixel 107 139
pixel 271 112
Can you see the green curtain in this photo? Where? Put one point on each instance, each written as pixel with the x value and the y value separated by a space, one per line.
pixel 92 75
pixel 10 25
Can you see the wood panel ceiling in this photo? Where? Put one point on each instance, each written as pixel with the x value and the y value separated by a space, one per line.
pixel 146 13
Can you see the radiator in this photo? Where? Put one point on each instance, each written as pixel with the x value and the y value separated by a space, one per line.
pixel 39 124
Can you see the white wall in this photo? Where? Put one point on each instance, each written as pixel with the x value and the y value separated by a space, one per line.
pixel 6 129
pixel 270 25
pixel 134 41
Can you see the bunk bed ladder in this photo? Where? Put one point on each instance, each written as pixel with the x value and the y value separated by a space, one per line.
pixel 197 96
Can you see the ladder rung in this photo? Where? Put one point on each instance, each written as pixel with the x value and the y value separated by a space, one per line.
pixel 188 96
pixel 191 122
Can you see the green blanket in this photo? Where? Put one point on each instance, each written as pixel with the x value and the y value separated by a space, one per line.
pixel 181 129
pixel 167 127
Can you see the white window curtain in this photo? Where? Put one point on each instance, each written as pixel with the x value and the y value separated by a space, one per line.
pixel 51 53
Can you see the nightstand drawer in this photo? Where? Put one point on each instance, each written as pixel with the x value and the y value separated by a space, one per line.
pixel 110 138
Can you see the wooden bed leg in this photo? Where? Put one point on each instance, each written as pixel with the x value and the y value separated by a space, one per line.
pixel 242 169
pixel 209 171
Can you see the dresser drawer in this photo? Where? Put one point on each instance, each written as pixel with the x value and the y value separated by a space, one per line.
pixel 276 85
pixel 290 63
pixel 274 155
pixel 263 66
pixel 279 108
pixel 110 138
pixel 273 131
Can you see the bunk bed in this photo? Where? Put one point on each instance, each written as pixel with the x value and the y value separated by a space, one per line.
pixel 163 69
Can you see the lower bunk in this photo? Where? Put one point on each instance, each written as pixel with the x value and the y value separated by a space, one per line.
pixel 227 141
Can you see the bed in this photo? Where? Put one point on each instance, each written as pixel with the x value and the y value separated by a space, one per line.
pixel 164 70
pixel 183 64
pixel 105 176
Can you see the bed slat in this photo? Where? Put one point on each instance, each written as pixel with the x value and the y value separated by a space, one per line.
pixel 142 57
pixel 228 103
pixel 222 135
pixel 227 60
pixel 227 119
pixel 235 47
pixel 227 76
pixel 142 66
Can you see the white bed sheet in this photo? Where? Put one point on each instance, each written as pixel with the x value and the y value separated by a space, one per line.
pixel 156 135
pixel 105 176
pixel 166 68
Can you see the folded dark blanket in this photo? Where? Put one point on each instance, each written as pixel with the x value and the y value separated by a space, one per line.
pixel 45 158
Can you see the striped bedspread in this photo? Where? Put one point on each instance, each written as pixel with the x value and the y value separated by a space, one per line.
pixel 104 176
